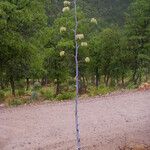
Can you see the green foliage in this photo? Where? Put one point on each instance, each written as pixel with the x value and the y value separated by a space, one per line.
pixel 16 102
pixel 131 86
pixel 36 86
pixel 21 92
pixel 31 42
pixel 65 96
pixel 105 90
pixel 20 87
pixel 20 84
pixel 47 94
pixel 137 30
pixel 2 96
pixel 104 9
pixel 34 96
pixel 102 90
pixel 19 23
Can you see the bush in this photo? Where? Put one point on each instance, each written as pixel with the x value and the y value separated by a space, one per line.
pixel 34 95
pixel 16 102
pixel 92 91
pixel 21 92
pixel 20 84
pixel 36 86
pixel 105 90
pixel 2 96
pixel 102 90
pixel 131 85
pixel 65 96
pixel 47 94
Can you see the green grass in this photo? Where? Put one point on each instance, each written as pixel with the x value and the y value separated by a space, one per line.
pixel 102 90
pixel 131 86
pixel 47 93
pixel 65 96
pixel 16 102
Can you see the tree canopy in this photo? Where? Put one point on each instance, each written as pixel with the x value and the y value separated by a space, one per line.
pixel 37 43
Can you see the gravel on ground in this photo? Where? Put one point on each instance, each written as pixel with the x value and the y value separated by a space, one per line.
pixel 105 123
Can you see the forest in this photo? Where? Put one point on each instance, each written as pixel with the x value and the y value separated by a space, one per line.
pixel 37 48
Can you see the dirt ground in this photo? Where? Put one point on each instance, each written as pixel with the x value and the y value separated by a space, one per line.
pixel 105 123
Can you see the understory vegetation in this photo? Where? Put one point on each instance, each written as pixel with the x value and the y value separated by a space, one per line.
pixel 37 49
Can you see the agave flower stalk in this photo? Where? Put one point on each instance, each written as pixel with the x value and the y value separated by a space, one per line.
pixel 77 77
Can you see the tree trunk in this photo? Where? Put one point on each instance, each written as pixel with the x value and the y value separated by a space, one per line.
pixel 93 80
pixel 57 88
pixel 140 79
pixel 135 69
pixel 117 81
pixel 33 80
pixel 147 72
pixel 122 80
pixel 12 83
pixel 46 80
pixel 97 77
pixel 136 77
pixel 83 86
pixel 43 81
pixel 106 79
pixel 2 85
pixel 28 84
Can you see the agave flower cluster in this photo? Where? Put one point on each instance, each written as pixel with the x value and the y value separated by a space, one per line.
pixel 84 44
pixel 94 21
pixel 62 53
pixel 66 9
pixel 63 29
pixel 55 80
pixel 87 59
pixel 66 6
pixel 79 36
pixel 67 3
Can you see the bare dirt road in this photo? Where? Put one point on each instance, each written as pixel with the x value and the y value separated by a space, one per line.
pixel 105 123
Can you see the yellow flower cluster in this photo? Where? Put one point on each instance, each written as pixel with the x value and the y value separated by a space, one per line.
pixel 67 3
pixel 93 20
pixel 62 53
pixel 84 44
pixel 87 59
pixel 66 9
pixel 79 36
pixel 66 6
pixel 62 29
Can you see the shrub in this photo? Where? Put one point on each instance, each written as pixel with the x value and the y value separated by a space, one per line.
pixel 16 102
pixel 47 94
pixel 102 90
pixel 34 95
pixel 20 84
pixel 2 96
pixel 131 85
pixel 105 90
pixel 37 86
pixel 21 92
pixel 65 96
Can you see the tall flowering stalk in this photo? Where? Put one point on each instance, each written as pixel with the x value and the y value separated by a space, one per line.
pixel 77 37
pixel 77 77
